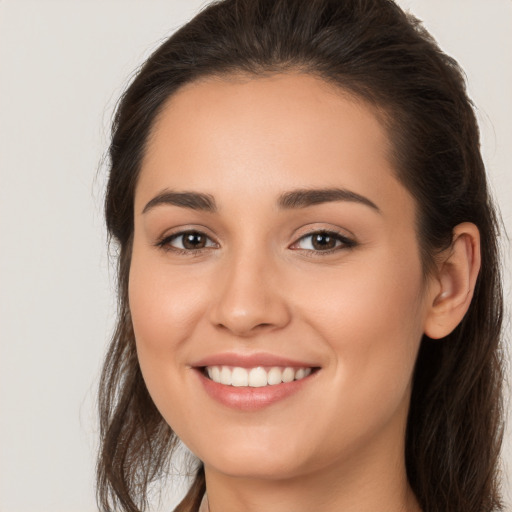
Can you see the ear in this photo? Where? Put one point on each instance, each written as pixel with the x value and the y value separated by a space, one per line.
pixel 454 284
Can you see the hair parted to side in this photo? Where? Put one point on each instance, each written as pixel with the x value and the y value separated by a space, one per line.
pixel 373 50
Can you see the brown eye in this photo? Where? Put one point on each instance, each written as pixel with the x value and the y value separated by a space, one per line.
pixel 187 241
pixel 323 241
pixel 193 240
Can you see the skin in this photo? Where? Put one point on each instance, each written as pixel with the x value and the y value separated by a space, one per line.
pixel 357 312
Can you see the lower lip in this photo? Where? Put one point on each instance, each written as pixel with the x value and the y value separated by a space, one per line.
pixel 252 399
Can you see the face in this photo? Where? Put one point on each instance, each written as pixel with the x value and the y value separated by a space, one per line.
pixel 276 287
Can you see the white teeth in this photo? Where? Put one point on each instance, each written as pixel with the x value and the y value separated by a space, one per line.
pixel 274 376
pixel 239 377
pixel 225 376
pixel 255 377
pixel 288 375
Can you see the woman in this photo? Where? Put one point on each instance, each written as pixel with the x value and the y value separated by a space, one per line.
pixel 308 275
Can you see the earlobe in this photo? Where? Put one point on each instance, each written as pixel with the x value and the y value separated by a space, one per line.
pixel 456 278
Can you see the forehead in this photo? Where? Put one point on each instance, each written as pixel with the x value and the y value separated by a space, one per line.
pixel 269 134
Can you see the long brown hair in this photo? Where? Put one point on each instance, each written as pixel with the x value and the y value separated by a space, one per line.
pixel 374 50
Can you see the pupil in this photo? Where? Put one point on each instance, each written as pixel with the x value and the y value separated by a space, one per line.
pixel 323 241
pixel 193 241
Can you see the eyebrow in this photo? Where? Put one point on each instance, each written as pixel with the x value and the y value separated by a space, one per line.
pixel 294 199
pixel 192 200
pixel 303 198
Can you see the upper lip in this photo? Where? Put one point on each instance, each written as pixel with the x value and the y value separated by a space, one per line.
pixel 250 360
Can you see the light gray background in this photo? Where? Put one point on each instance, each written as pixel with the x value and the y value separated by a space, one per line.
pixel 63 64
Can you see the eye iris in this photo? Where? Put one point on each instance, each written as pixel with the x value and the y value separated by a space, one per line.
pixel 323 241
pixel 194 241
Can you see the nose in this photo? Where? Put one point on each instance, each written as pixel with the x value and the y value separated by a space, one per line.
pixel 249 297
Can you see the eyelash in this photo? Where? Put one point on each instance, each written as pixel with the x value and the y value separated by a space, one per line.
pixel 165 243
pixel 342 242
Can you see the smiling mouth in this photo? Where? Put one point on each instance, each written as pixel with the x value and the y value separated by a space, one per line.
pixel 256 377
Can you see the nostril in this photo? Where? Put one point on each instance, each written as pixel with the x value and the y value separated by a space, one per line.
pixel 244 329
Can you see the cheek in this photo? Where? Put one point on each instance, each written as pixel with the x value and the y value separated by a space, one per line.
pixel 371 318
pixel 380 296
pixel 165 309
pixel 165 306
pixel 371 322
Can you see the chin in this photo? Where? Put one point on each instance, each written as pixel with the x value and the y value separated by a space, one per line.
pixel 257 462
pixel 256 469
